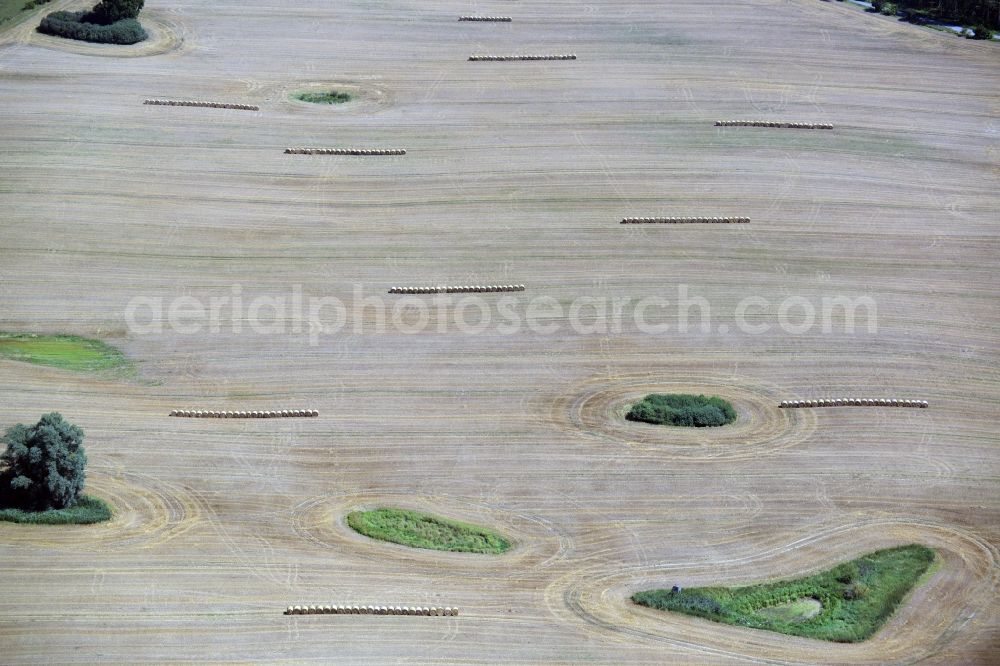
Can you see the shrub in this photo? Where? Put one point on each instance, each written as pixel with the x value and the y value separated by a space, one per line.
pixel 88 510
pixel 980 32
pixel 72 25
pixel 678 409
pixel 883 7
pixel 846 573
pixel 35 3
pixel 44 465
pixel 691 603
pixel 856 591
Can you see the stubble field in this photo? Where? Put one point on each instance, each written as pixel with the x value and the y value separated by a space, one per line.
pixel 516 172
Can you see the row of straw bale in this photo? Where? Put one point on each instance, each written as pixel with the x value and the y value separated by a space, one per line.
pixel 272 414
pixel 372 610
pixel 210 105
pixel 344 151
pixel 471 289
pixel 504 58
pixel 854 402
pixel 685 220
pixel 769 123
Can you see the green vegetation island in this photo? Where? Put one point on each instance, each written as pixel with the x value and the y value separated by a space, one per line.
pixel 66 352
pixel 327 97
pixel 681 409
pixel 980 19
pixel 420 530
pixel 845 604
pixel 108 22
pixel 42 473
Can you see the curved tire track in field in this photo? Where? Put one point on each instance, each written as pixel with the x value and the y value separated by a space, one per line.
pixel 147 512
pixel 596 409
pixel 538 543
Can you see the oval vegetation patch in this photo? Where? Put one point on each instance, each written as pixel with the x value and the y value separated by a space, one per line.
pixel 682 409
pixel 68 352
pixel 420 530
pixel 322 96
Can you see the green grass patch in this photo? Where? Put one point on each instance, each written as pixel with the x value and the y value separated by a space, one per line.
pixel 68 352
pixel 15 9
pixel 799 610
pixel 419 530
pixel 327 97
pixel 681 409
pixel 857 597
pixel 87 511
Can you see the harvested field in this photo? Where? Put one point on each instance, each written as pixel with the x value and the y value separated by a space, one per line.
pixel 513 173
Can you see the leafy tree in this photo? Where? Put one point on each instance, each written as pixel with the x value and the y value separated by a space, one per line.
pixel 44 465
pixel 107 12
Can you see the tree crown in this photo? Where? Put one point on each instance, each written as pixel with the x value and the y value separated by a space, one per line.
pixel 44 464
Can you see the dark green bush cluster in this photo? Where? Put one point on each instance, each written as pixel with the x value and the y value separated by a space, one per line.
pixel 109 22
pixel 35 3
pixel 331 97
pixel 678 409
pixel 72 26
pixel 87 510
pixel 857 597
